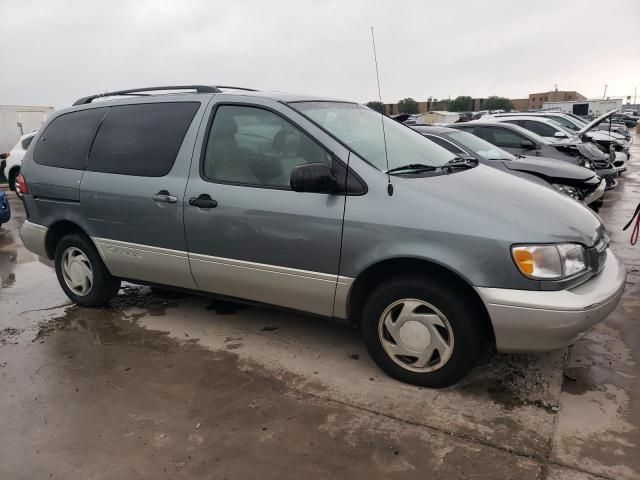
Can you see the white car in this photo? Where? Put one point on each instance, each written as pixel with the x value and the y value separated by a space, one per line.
pixel 559 127
pixel 577 125
pixel 12 161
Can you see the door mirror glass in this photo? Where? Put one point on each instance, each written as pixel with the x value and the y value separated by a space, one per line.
pixel 313 177
pixel 527 145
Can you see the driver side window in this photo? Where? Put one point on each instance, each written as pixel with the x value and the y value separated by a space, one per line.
pixel 255 147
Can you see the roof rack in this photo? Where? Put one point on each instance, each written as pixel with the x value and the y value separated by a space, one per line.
pixel 237 88
pixel 145 91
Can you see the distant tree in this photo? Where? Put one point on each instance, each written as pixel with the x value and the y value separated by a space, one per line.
pixel 498 103
pixel 461 104
pixel 408 105
pixel 376 105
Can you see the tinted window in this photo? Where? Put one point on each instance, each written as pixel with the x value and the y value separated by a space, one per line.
pixel 66 141
pixel 540 128
pixel 252 146
pixel 443 143
pixel 27 141
pixel 141 139
pixel 501 137
pixel 565 123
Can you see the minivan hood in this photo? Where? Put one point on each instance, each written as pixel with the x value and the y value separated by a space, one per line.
pixel 498 205
pixel 598 120
pixel 550 168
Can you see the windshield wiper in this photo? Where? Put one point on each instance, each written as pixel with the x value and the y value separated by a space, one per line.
pixel 421 167
pixel 459 162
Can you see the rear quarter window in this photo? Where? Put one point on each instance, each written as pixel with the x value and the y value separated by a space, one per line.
pixel 142 139
pixel 26 142
pixel 66 141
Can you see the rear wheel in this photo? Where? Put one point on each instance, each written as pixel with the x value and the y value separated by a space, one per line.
pixel 81 272
pixel 420 332
pixel 13 181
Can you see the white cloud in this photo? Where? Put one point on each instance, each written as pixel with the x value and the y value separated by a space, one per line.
pixel 54 52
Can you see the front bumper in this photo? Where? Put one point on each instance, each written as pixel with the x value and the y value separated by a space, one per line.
pixel 34 237
pixel 596 194
pixel 530 321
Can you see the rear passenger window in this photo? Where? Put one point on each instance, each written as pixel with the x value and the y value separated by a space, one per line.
pixel 501 137
pixel 540 128
pixel 142 139
pixel 66 141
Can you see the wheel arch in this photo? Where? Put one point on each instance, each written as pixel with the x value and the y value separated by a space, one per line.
pixel 57 231
pixel 380 271
pixel 11 176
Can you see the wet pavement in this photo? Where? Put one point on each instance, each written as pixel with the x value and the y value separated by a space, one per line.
pixel 175 386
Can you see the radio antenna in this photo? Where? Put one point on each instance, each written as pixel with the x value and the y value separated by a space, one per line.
pixel 384 136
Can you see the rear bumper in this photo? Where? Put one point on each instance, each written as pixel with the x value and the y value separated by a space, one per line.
pixel 529 321
pixel 34 237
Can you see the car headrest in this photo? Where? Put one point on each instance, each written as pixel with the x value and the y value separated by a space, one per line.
pixel 286 142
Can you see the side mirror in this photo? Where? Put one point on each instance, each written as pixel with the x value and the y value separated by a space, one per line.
pixel 527 145
pixel 560 135
pixel 313 177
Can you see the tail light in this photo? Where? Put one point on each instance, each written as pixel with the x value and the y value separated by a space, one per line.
pixel 22 184
pixel 4 156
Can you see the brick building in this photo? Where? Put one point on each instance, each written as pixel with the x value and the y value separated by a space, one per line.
pixel 536 100
pixel 520 104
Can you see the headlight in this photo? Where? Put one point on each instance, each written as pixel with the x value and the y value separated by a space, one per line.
pixel 549 262
pixel 587 164
pixel 567 190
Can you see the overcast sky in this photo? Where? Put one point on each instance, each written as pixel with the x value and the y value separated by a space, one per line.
pixel 53 52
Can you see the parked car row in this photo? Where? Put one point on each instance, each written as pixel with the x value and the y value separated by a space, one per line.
pixel 578 182
pixel 436 253
pixel 551 139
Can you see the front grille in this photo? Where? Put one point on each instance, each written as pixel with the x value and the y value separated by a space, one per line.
pixel 601 163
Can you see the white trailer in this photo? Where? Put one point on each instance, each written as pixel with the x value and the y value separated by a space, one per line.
pixel 584 108
pixel 440 117
pixel 16 120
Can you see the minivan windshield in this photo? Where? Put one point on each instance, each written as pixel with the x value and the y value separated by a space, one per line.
pixel 479 147
pixel 360 128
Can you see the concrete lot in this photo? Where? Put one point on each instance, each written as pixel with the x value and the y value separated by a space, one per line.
pixel 187 387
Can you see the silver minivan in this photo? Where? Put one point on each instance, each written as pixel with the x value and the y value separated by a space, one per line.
pixel 319 206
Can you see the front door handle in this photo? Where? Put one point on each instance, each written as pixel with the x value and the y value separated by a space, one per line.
pixel 164 196
pixel 203 201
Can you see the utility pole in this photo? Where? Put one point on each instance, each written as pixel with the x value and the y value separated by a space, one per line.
pixel 604 95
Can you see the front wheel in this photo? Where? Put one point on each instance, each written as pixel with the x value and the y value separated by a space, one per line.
pixel 81 272
pixel 421 332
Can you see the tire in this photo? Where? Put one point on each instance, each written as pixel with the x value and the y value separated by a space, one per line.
pixel 13 175
pixel 83 257
pixel 453 334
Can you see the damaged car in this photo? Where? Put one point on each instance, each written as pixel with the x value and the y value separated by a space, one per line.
pixel 579 183
pixel 520 141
